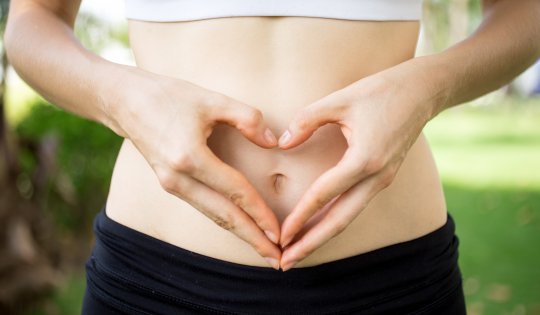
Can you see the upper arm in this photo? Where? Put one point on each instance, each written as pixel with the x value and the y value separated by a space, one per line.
pixel 66 10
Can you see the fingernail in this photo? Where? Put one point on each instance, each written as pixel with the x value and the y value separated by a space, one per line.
pixel 271 236
pixel 273 262
pixel 289 265
pixel 269 136
pixel 285 138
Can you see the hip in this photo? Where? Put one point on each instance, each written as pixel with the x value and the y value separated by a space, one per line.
pixel 132 273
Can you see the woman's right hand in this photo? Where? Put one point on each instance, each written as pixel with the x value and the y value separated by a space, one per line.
pixel 169 121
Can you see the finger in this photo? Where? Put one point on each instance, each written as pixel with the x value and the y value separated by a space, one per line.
pixel 328 109
pixel 338 179
pixel 316 218
pixel 343 212
pixel 222 212
pixel 229 182
pixel 247 119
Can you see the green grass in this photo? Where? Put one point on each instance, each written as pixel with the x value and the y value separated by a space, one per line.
pixel 488 146
pixel 499 232
pixel 489 160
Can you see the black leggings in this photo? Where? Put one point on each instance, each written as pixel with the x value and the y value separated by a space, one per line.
pixel 132 273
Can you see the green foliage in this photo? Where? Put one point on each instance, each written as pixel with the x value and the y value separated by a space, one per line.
pixel 66 300
pixel 85 157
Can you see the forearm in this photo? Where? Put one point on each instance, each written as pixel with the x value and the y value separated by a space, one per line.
pixel 505 44
pixel 44 51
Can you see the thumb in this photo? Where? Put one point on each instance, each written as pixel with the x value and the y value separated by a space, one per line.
pixel 309 119
pixel 247 119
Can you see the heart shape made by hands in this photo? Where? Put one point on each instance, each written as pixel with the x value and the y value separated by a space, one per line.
pixel 222 150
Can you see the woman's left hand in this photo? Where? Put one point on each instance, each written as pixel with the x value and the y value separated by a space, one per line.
pixel 381 116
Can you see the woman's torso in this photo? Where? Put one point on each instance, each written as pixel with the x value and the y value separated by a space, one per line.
pixel 278 65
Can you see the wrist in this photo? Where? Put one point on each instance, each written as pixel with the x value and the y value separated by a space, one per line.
pixel 426 79
pixel 437 78
pixel 116 93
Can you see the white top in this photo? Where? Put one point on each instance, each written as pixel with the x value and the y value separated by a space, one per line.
pixel 188 10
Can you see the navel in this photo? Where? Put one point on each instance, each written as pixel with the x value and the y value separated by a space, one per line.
pixel 277 180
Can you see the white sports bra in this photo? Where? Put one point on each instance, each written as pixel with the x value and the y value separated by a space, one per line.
pixel 188 10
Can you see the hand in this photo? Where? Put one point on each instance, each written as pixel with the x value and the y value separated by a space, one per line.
pixel 381 119
pixel 169 121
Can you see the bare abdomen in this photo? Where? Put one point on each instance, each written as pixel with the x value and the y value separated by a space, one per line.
pixel 278 65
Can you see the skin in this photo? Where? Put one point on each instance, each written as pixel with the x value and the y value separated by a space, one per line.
pixel 403 98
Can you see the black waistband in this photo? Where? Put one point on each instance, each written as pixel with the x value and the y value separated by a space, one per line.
pixel 175 275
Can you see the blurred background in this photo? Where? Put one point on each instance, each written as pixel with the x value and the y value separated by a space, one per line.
pixel 55 170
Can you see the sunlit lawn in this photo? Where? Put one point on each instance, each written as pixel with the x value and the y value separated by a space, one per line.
pixel 489 159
